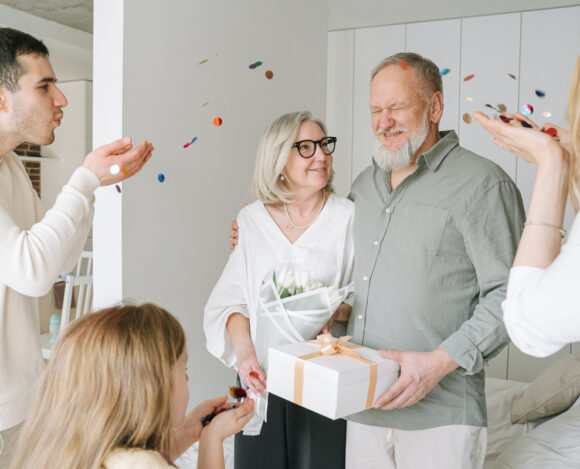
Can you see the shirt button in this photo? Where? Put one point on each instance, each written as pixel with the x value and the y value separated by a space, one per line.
pixel 365 278
pixel 376 243
pixel 360 316
pixel 388 210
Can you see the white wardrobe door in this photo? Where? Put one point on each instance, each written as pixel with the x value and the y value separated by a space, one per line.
pixel 490 47
pixel 339 94
pixel 440 41
pixel 371 45
pixel 550 47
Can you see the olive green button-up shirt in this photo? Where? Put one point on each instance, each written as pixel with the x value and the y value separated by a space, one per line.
pixel 432 258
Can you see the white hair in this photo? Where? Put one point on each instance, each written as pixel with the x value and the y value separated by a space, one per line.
pixel 273 151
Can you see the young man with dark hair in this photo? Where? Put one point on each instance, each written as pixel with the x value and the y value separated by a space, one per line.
pixel 35 244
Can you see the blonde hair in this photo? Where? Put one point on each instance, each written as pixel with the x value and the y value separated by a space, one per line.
pixel 108 386
pixel 273 151
pixel 574 121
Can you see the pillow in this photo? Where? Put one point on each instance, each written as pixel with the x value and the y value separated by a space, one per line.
pixel 552 392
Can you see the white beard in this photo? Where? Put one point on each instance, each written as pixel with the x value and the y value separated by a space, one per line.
pixel 403 157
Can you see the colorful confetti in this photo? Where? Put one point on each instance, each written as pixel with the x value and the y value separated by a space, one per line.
pixel 269 74
pixel 505 118
pixel 205 104
pixel 540 94
pixel 502 108
pixel 547 114
pixel 209 417
pixel 125 172
pixel 527 110
pixel 161 177
pixel 204 61
pixel 492 107
pixel 189 143
pixel 467 118
pixel 444 72
pixel 254 374
pixel 469 98
pixel 526 125
pixel 551 131
pixel 217 121
pixel 403 64
pixel 255 65
pixel 512 76
pixel 468 77
pixel 118 188
pixel 114 170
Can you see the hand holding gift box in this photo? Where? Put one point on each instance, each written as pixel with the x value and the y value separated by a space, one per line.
pixel 330 376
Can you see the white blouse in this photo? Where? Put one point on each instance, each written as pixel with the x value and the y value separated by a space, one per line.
pixel 542 307
pixel 325 249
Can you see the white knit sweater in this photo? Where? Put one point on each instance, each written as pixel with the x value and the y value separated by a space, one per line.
pixel 34 248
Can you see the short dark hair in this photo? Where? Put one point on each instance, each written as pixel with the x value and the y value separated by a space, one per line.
pixel 12 44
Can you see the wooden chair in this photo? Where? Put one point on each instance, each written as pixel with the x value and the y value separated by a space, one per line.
pixel 82 278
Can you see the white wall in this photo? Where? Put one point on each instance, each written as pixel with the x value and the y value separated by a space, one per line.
pixel 170 240
pixel 540 48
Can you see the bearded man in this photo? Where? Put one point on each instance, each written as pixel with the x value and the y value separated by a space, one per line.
pixel 436 230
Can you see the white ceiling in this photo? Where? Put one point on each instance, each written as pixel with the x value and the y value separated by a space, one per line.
pixel 342 14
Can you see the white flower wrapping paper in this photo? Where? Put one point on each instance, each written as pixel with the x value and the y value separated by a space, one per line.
pixel 297 305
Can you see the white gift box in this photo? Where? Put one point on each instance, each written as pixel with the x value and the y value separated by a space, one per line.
pixel 332 385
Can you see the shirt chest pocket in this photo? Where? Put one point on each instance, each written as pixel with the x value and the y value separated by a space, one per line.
pixel 418 229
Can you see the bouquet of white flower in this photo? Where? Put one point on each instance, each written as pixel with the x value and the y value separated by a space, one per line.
pixel 297 304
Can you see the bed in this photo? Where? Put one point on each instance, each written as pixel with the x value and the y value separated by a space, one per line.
pixel 530 425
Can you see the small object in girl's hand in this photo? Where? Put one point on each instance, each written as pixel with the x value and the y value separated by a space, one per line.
pixel 526 125
pixel 551 131
pixel 209 417
pixel 505 118
pixel 254 374
pixel 237 393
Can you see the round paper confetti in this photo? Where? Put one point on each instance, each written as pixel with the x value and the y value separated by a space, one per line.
pixel 512 76
pixel 469 98
pixel 540 94
pixel 526 125
pixel 527 110
pixel 269 74
pixel 114 170
pixel 547 114
pixel 403 64
pixel 551 131
pixel 505 118
pixel 443 72
pixel 468 77
pixel 118 188
pixel 161 177
pixel 217 121
pixel 501 108
pixel 467 118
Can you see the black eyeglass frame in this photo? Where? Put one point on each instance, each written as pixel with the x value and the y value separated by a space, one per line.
pixel 317 142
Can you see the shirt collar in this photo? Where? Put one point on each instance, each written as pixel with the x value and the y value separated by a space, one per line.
pixel 437 153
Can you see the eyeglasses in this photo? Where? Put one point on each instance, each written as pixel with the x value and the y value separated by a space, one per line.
pixel 307 148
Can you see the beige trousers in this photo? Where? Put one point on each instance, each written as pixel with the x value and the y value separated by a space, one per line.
pixel 8 441
pixel 448 447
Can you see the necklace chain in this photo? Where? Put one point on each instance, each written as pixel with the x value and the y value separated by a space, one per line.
pixel 313 219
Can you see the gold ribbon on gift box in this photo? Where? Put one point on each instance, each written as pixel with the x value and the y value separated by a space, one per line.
pixel 330 346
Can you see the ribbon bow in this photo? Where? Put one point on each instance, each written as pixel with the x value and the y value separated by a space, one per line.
pixel 331 346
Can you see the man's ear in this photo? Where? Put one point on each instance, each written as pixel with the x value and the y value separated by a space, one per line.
pixel 436 107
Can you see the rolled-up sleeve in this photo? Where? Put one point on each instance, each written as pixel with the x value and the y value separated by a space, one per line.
pixel 491 231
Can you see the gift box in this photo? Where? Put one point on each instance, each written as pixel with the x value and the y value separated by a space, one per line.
pixel 329 376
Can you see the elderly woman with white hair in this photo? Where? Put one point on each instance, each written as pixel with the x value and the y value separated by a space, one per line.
pixel 295 223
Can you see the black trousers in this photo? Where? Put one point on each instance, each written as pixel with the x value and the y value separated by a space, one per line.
pixel 293 438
